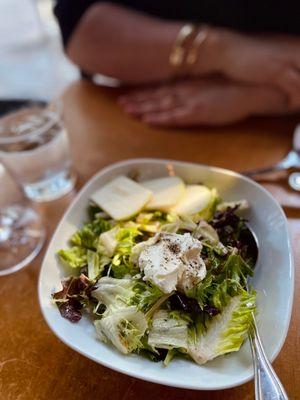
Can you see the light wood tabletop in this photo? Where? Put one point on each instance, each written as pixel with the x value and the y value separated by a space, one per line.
pixel 34 364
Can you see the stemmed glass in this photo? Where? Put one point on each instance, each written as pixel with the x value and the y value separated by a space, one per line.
pixel 21 232
pixel 36 167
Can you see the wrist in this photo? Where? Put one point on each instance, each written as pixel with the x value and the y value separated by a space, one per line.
pixel 209 59
pixel 181 49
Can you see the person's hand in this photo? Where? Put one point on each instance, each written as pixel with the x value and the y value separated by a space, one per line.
pixel 258 59
pixel 202 102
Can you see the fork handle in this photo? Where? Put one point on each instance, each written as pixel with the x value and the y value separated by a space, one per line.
pixel 262 171
pixel 267 384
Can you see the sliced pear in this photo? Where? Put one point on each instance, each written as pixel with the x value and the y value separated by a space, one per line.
pixel 195 199
pixel 122 198
pixel 166 192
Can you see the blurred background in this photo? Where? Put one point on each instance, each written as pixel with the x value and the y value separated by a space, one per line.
pixel 32 64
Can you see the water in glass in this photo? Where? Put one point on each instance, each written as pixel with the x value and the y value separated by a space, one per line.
pixel 34 148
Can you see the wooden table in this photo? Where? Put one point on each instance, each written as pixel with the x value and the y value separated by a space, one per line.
pixel 34 364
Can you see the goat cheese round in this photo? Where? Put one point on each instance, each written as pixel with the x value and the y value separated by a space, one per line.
pixel 172 261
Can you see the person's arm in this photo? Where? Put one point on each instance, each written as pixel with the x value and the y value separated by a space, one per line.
pixel 133 47
pixel 124 44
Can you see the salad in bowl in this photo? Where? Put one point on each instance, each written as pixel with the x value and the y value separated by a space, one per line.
pixel 160 267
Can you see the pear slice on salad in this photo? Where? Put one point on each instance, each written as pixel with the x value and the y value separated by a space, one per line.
pixel 166 191
pixel 122 198
pixel 195 199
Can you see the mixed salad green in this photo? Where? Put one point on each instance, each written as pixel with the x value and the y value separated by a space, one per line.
pixel 161 267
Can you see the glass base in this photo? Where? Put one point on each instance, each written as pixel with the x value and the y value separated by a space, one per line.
pixel 51 188
pixel 21 237
pixel 294 181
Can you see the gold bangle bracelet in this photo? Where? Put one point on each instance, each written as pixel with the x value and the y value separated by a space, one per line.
pixel 177 55
pixel 193 52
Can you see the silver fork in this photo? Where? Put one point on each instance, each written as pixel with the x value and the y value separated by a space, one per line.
pixel 291 160
pixel 267 384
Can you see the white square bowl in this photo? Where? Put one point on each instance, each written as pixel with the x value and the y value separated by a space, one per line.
pixel 273 280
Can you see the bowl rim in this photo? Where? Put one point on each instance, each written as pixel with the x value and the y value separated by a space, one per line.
pixel 138 375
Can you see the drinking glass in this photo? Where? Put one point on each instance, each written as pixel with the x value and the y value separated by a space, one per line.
pixel 34 148
pixel 36 167
pixel 21 231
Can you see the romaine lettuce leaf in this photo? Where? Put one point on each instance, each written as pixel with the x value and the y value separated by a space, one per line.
pixel 114 293
pixel 108 242
pixel 96 263
pixel 168 332
pixel 93 264
pixel 226 331
pixel 124 327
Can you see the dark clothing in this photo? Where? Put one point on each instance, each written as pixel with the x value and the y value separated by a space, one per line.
pixel 276 16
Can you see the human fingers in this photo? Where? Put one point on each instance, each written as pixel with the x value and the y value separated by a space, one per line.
pixel 164 103
pixel 178 117
pixel 144 94
pixel 221 105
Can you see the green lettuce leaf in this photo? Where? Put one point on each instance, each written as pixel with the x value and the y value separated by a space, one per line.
pixel 236 270
pixel 88 236
pixel 241 205
pixel 114 293
pixel 124 327
pixel 121 263
pixel 209 237
pixel 93 263
pixel 153 222
pixel 167 332
pixel 209 211
pixel 173 353
pixel 225 332
pixel 75 257
pixel 96 263
pixel 145 295
pixel 223 282
pixel 180 224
